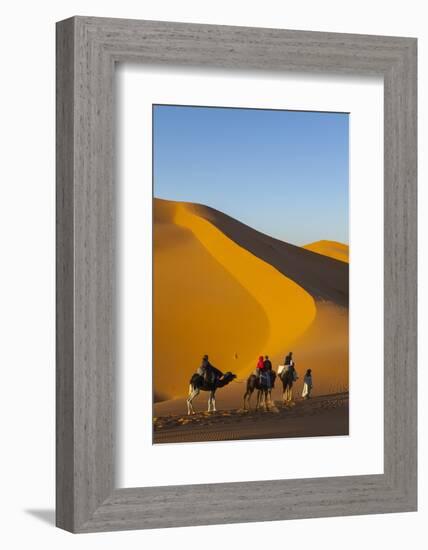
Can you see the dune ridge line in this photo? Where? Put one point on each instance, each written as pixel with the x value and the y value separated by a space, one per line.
pixel 271 289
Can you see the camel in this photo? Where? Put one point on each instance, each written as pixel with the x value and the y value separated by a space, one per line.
pixel 288 376
pixel 264 392
pixel 198 383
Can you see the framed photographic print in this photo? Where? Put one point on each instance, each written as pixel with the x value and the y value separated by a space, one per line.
pixel 235 289
pixel 236 274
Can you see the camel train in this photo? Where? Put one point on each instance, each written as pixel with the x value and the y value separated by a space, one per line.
pixel 265 383
pixel 208 378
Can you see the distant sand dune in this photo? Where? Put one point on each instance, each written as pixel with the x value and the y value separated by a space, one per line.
pixel 222 288
pixel 333 249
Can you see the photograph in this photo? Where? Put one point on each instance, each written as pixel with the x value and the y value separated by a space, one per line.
pixel 250 273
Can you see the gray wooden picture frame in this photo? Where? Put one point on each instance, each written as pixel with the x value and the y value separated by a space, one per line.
pixel 87 50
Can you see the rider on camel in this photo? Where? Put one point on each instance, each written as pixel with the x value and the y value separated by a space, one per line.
pixel 210 373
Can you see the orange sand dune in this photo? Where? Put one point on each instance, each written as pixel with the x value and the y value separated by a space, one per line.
pixel 222 288
pixel 333 249
pixel 212 296
pixel 197 305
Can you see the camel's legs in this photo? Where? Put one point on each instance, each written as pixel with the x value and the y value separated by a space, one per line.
pixel 266 400
pixel 193 392
pixel 213 401
pixel 247 397
pixel 259 398
pixel 288 394
pixel 210 401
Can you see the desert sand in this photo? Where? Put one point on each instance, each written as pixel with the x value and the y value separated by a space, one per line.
pixel 324 415
pixel 238 294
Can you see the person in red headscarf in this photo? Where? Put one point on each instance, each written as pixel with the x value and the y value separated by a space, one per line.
pixel 260 366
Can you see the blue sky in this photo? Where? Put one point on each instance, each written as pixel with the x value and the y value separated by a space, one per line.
pixel 284 173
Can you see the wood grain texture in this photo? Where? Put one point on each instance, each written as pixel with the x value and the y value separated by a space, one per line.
pixel 87 49
pixel 64 276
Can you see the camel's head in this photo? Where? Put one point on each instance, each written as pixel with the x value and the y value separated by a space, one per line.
pixel 226 378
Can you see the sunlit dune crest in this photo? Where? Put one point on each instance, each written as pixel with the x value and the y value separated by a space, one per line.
pixel 333 249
